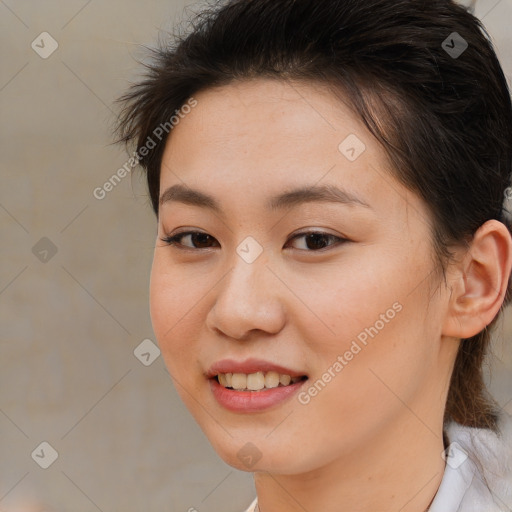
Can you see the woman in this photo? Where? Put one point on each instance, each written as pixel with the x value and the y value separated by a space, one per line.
pixel 334 247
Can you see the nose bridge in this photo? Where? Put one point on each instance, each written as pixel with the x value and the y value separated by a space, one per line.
pixel 246 299
pixel 248 269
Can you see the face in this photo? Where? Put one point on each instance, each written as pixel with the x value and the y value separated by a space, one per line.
pixel 337 291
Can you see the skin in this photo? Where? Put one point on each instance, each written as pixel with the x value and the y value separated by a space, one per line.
pixel 372 438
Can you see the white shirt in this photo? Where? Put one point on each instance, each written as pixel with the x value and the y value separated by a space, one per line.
pixel 478 470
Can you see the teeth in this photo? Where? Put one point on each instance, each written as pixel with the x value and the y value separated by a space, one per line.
pixel 239 381
pixel 272 380
pixel 255 381
pixel 284 379
pixel 222 379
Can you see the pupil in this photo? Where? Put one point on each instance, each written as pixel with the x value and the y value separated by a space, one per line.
pixel 315 237
pixel 203 238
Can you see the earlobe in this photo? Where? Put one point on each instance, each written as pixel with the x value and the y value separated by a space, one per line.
pixel 481 281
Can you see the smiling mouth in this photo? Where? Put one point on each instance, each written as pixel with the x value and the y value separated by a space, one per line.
pixel 256 381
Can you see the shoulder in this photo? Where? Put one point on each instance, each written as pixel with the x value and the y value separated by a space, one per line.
pixel 478 472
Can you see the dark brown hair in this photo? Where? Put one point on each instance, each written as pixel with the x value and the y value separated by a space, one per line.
pixel 441 110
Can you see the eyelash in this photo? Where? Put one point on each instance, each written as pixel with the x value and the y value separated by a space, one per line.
pixel 174 240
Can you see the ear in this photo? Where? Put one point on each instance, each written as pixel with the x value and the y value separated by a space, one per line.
pixel 480 281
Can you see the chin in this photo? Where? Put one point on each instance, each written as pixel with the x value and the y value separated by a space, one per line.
pixel 259 454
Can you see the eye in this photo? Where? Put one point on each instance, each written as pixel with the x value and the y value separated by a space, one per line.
pixel 318 240
pixel 196 237
pixel 313 240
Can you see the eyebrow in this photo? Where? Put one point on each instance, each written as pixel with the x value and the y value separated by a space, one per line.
pixel 315 193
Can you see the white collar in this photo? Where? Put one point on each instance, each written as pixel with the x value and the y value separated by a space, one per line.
pixel 478 472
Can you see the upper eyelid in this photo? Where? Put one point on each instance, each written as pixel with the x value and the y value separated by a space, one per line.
pixel 314 231
pixel 307 231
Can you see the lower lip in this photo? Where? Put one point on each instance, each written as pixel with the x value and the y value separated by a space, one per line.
pixel 252 401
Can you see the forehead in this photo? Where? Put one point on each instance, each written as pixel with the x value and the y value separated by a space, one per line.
pixel 296 107
pixel 269 125
pixel 247 142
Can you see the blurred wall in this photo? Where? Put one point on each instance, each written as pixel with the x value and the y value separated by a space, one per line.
pixel 74 276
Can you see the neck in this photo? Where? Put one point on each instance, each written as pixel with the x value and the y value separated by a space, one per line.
pixel 401 469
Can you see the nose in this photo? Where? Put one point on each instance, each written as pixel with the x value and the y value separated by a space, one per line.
pixel 248 301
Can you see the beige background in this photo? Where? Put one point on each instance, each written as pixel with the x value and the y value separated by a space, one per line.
pixel 69 326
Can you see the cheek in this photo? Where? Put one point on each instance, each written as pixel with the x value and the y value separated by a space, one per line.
pixel 350 299
pixel 372 332
pixel 174 303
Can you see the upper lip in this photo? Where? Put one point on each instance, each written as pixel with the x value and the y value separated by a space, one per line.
pixel 248 366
